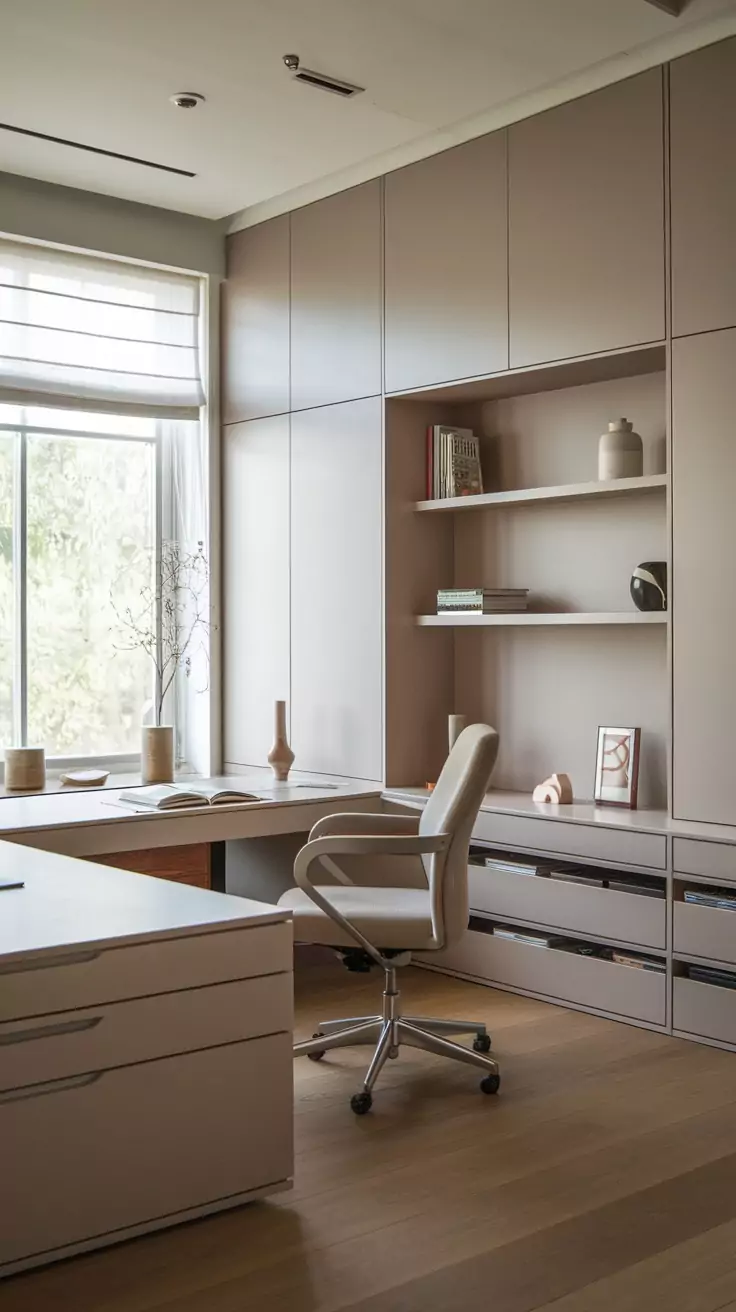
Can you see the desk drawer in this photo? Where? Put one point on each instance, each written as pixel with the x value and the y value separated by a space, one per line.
pixel 705 932
pixel 92 1156
pixel 83 979
pixel 704 1010
pixel 591 842
pixel 560 976
pixel 121 1033
pixel 594 912
pixel 716 861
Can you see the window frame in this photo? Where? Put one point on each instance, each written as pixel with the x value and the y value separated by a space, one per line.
pixel 21 431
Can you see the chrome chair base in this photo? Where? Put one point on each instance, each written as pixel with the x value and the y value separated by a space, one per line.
pixel 390 1030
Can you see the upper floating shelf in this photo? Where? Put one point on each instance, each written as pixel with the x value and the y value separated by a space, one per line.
pixel 530 495
pixel 523 618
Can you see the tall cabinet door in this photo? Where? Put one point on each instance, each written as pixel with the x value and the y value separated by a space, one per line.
pixel 586 224
pixel 255 323
pixel 336 589
pixel 336 298
pixel 255 491
pixel 703 181
pixel 703 594
pixel 446 266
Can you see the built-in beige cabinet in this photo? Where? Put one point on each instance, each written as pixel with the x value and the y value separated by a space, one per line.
pixel 255 322
pixel 586 224
pixel 256 660
pixel 336 589
pixel 336 304
pixel 446 266
pixel 703 595
pixel 703 180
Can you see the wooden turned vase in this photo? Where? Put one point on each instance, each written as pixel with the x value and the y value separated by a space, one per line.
pixel 280 757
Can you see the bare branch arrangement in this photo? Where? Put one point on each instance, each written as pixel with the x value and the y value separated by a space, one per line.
pixel 179 595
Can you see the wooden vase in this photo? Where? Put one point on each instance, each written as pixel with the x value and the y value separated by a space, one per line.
pixel 280 757
pixel 157 754
pixel 25 769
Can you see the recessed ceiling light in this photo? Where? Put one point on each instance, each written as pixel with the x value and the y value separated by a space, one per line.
pixel 186 99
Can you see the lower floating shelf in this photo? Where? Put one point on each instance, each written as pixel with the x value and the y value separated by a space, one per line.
pixel 524 618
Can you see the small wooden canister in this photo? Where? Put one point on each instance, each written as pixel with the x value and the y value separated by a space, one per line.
pixel 25 768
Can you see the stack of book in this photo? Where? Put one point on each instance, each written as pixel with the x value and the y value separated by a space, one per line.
pixel 724 979
pixel 480 601
pixel 722 899
pixel 515 866
pixel 453 463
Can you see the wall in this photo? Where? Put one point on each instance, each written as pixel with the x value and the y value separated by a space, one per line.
pixel 68 217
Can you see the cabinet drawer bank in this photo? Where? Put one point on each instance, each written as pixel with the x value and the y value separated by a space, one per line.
pixel 571 908
pixel 625 847
pixel 561 976
pixel 62 981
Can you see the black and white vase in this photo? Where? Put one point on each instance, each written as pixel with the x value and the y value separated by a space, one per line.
pixel 648 585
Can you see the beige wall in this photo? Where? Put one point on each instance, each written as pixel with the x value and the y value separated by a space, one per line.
pixel 46 212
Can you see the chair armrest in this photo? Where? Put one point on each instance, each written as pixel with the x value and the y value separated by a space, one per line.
pixel 359 845
pixel 369 822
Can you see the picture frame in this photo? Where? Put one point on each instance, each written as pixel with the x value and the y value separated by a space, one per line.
pixel 617 767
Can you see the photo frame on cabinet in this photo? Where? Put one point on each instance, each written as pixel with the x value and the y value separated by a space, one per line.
pixel 617 767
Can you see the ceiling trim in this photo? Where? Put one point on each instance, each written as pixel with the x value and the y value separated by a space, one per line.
pixel 682 39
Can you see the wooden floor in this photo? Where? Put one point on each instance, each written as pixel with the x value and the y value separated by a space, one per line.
pixel 602 1177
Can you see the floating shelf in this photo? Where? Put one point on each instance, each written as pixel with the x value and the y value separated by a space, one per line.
pixel 531 495
pixel 526 618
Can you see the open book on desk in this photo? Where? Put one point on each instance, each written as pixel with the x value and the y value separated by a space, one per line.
pixel 170 797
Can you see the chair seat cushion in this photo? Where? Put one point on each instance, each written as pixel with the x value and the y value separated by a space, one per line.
pixel 388 917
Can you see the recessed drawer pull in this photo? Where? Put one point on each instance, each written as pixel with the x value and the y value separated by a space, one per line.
pixel 49 963
pixel 55 1086
pixel 50 1031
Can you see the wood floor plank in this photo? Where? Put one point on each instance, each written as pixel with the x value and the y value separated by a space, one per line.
pixel 602 1129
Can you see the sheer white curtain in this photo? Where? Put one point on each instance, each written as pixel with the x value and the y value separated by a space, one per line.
pixel 98 333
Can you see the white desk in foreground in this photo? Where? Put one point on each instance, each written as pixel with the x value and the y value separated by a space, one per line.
pixel 130 1008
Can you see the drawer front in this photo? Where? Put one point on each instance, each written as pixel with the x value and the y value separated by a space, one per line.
pixel 716 861
pixel 560 976
pixel 705 932
pixel 86 979
pixel 88 1157
pixel 704 1010
pixel 121 1033
pixel 599 912
pixel 592 842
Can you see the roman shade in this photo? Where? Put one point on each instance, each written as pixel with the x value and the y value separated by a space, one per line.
pixel 92 333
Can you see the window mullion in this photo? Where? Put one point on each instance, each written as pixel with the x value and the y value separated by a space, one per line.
pixel 20 555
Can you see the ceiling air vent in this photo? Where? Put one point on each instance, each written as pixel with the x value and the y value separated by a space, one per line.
pixel 321 81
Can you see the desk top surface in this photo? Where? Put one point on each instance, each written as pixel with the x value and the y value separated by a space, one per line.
pixel 67 905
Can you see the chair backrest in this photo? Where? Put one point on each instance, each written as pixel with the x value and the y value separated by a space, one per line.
pixel 452 809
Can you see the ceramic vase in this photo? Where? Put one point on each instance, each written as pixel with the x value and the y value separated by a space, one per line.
pixel 280 757
pixel 157 754
pixel 25 768
pixel 620 452
pixel 648 585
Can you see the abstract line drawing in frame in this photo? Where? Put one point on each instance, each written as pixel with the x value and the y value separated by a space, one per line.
pixel 617 767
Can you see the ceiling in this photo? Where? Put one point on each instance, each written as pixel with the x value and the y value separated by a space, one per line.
pixel 435 72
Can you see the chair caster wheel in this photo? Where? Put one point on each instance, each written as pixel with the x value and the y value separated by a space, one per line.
pixel 393 1053
pixel 482 1043
pixel 490 1083
pixel 316 1056
pixel 361 1102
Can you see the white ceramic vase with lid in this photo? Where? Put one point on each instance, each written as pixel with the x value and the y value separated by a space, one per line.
pixel 620 452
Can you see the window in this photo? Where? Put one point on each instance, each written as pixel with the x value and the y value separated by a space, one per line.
pixel 99 403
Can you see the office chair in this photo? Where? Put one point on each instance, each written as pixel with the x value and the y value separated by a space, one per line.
pixel 386 926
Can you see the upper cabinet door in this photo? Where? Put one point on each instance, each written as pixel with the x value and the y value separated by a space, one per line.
pixel 703 183
pixel 586 224
pixel 446 266
pixel 255 323
pixel 336 298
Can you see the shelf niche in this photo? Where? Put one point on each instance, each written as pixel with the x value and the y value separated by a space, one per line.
pixel 543 683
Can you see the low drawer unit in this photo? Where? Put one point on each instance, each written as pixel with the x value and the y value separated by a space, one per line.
pixel 560 975
pixel 570 907
pixel 705 1011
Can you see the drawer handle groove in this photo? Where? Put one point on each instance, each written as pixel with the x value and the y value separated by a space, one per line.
pixel 56 1086
pixel 50 1031
pixel 49 963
